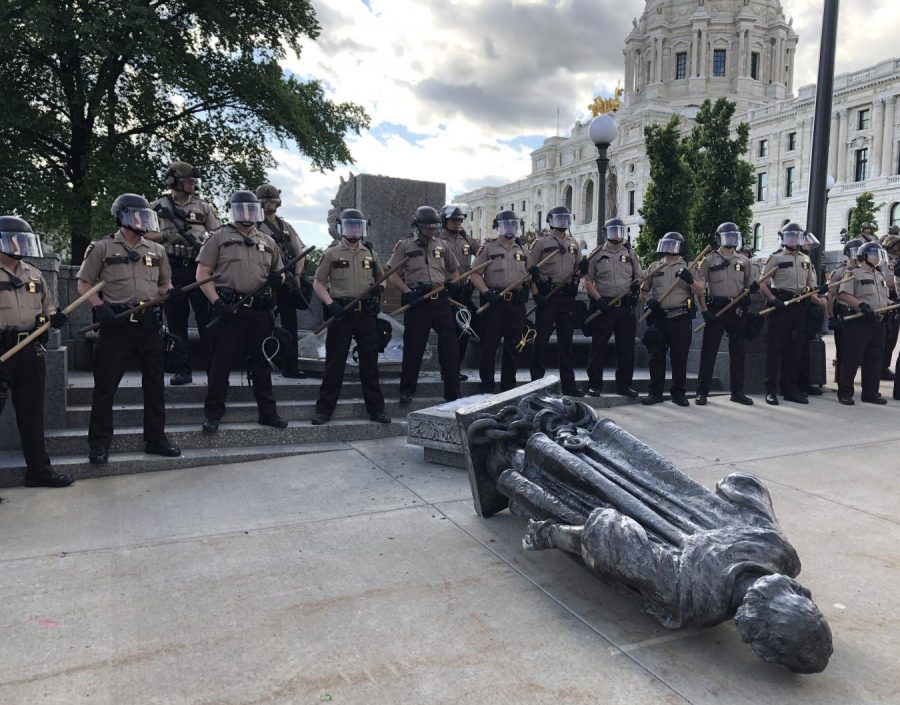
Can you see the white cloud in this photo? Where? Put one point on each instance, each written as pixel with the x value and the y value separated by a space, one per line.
pixel 467 77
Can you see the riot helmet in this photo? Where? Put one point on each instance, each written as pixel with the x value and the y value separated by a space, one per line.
pixel 728 234
pixel 453 212
pixel 427 221
pixel 506 224
pixel 852 247
pixel 560 218
pixel 352 224
pixel 178 171
pixel 671 243
pixel 810 242
pixel 16 238
pixel 245 208
pixel 132 211
pixel 614 230
pixel 872 253
pixel 791 236
pixel 269 197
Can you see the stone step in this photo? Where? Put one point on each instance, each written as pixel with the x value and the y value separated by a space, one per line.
pixel 12 465
pixel 189 436
pixel 191 413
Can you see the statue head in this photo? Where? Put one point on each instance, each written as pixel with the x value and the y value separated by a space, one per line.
pixel 782 624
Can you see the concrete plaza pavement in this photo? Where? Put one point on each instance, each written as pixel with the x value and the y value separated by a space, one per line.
pixel 364 576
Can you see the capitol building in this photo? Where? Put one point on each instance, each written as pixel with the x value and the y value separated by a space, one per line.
pixel 683 52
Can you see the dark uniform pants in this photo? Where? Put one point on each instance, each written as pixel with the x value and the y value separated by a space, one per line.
pixel 239 338
pixel 556 312
pixel 784 351
pixel 287 315
pixel 363 327
pixel 177 313
pixel 891 333
pixel 735 325
pixel 117 346
pixel 418 322
pixel 505 321
pixel 27 372
pixel 620 321
pixel 863 347
pixel 676 342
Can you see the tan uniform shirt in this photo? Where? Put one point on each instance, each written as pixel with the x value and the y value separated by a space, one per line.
pixel 663 276
pixel 19 307
pixel 244 263
pixel 431 262
pixel 463 247
pixel 507 264
pixel 613 269
pixel 794 271
pixel 128 281
pixel 196 215
pixel 867 285
pixel 725 277
pixel 563 266
pixel 348 271
pixel 284 235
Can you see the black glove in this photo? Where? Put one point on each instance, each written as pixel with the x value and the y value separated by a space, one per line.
pixel 601 304
pixel 335 310
pixel 709 317
pixel 754 287
pixel 835 323
pixel 274 280
pixel 176 293
pixel 822 290
pixel 104 313
pixel 220 309
pixel 868 312
pixel 686 276
pixel 634 289
pixel 653 305
pixel 535 273
pixel 539 299
pixel 491 297
pixel 776 303
pixel 58 320
pixel 897 269
pixel 410 297
pixel 583 267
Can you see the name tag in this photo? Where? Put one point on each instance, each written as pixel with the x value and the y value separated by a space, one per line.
pixel 340 264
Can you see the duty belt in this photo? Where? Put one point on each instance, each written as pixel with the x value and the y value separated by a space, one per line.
pixel 423 289
pixel 516 296
pixel 11 337
pixel 366 305
pixel 787 294
pixel 260 302
pixel 676 312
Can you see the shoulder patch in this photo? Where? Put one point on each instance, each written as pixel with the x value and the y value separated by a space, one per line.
pixel 396 246
pixel 88 250
pixel 480 250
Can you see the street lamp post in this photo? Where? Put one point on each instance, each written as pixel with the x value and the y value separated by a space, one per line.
pixel 602 132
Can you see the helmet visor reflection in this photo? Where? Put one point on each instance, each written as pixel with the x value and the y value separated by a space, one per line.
pixel 353 228
pixel 730 239
pixel 19 244
pixel 561 221
pixel 509 228
pixel 669 246
pixel 141 220
pixel 615 233
pixel 246 212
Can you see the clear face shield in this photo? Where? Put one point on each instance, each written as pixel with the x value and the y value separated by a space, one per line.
pixel 668 246
pixel 17 244
pixel 561 221
pixel 615 233
pixel 246 213
pixel 791 238
pixel 810 241
pixel 429 230
pixel 353 228
pixel 731 238
pixel 876 257
pixel 141 220
pixel 508 228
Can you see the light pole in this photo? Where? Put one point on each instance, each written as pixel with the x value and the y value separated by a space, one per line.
pixel 602 132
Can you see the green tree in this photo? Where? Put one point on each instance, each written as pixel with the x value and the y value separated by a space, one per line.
pixel 670 194
pixel 723 178
pixel 100 94
pixel 863 212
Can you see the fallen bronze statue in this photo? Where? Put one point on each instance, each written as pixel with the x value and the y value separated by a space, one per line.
pixel 694 558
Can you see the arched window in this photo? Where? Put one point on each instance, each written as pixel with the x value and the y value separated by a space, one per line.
pixel 850 217
pixel 588 202
pixel 757 237
pixel 567 197
pixel 895 215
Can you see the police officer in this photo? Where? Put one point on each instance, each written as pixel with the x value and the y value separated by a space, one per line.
pixel 891 245
pixel 867 232
pixel 431 263
pixel 25 304
pixel 246 259
pixel 291 297
pixel 505 318
pixel 837 309
pixel 815 317
pixel 864 339
pixel 726 275
pixel 793 275
pixel 347 270
pixel 613 271
pixel 670 320
pixel 557 311
pixel 135 270
pixel 464 248
pixel 184 219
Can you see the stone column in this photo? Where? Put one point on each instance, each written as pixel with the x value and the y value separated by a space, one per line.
pixel 703 67
pixel 877 137
pixel 742 60
pixel 832 145
pixel 629 71
pixel 842 147
pixel 887 146
pixel 780 68
pixel 803 148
